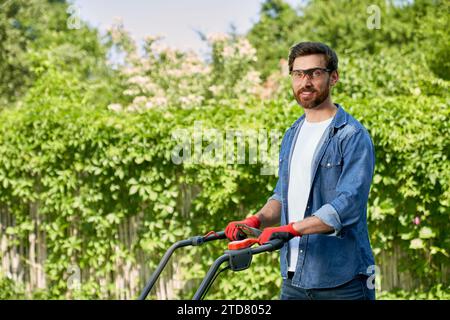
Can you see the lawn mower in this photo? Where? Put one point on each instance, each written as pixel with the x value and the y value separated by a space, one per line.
pixel 238 256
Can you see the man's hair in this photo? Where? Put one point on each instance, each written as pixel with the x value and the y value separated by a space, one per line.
pixel 307 48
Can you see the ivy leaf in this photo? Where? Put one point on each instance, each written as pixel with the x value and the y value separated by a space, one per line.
pixel 416 244
pixel 426 233
pixel 407 236
pixel 134 189
pixel 120 173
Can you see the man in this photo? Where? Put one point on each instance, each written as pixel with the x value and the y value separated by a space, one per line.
pixel 326 166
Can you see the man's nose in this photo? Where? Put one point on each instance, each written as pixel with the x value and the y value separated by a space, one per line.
pixel 305 82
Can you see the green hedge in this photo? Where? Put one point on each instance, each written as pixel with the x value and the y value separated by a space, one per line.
pixel 90 169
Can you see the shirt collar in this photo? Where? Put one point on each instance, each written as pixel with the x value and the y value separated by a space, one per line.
pixel 340 118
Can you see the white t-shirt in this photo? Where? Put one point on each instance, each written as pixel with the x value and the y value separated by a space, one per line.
pixel 300 176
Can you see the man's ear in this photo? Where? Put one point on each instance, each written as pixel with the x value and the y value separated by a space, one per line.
pixel 334 77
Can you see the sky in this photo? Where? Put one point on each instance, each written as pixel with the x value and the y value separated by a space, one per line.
pixel 177 20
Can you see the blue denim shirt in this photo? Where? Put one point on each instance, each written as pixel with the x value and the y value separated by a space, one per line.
pixel 342 171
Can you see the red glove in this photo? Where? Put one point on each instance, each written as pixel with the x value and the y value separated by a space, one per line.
pixel 233 233
pixel 285 233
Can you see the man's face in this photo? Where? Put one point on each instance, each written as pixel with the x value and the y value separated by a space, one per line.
pixel 310 92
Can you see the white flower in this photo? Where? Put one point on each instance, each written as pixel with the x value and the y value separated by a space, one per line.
pixel 116 107
pixel 133 108
pixel 191 100
pixel 249 84
pixel 146 65
pixel 217 37
pixel 159 101
pixel 130 70
pixel 153 38
pixel 215 89
pixel 416 91
pixel 139 80
pixel 177 73
pixel 228 52
pixel 150 87
pixel 253 77
pixel 245 49
pixel 284 66
pixel 162 49
pixel 159 48
pixel 117 30
pixel 207 69
pixel 131 92
pixel 133 57
pixel 148 105
pixel 140 100
pixel 192 58
pixel 196 69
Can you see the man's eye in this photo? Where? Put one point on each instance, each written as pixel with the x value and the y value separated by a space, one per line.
pixel 317 73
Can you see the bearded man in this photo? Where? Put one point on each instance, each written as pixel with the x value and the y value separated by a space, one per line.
pixel 326 165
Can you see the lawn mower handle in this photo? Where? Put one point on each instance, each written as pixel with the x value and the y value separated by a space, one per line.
pixel 246 253
pixel 193 241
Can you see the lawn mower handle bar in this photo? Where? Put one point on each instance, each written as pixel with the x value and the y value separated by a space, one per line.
pixel 193 241
pixel 272 245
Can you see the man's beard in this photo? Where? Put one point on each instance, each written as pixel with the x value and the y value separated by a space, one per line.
pixel 320 97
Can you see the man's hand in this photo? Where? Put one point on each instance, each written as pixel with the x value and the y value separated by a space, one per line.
pixel 285 233
pixel 232 231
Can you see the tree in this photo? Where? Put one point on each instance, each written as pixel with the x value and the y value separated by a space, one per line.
pixel 273 33
pixel 34 36
pixel 406 26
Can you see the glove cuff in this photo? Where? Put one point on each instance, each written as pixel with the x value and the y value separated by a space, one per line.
pixel 292 230
pixel 253 222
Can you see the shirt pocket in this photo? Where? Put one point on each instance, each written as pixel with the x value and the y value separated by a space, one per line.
pixel 330 170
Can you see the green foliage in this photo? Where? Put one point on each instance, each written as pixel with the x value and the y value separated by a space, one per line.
pixel 88 168
pixel 9 289
pixel 272 35
pixel 437 292
pixel 34 36
pixel 405 26
pixel 411 179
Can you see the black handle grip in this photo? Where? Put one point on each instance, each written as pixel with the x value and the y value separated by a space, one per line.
pixel 276 244
pixel 215 236
pixel 271 245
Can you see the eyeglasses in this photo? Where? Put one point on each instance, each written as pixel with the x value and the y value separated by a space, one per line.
pixel 312 73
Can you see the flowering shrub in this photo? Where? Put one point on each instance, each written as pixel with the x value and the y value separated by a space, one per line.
pixel 163 77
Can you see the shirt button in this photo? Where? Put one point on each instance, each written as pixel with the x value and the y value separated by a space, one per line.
pixel 301 251
pixel 328 164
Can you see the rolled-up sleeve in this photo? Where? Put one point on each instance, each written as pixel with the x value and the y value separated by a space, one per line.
pixel 352 189
pixel 328 215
